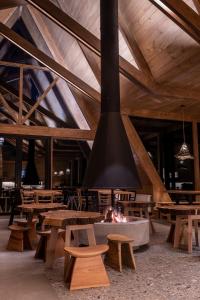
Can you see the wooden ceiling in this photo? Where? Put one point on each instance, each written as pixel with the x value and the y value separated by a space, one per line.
pixel 159 55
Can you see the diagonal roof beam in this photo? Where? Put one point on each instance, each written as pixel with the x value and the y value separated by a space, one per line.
pixel 181 14
pixel 197 5
pixel 88 39
pixel 93 43
pixel 48 62
pixel 31 102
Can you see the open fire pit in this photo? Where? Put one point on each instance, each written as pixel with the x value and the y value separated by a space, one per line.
pixel 115 223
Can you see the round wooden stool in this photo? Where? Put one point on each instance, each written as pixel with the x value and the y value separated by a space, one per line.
pixel 86 268
pixel 32 230
pixel 19 238
pixel 120 252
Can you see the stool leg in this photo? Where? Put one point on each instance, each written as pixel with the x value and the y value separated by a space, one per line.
pixel 196 232
pixel 26 241
pixel 113 256
pixel 15 242
pixel 189 235
pixel 127 256
pixel 87 272
pixel 177 234
pixel 41 248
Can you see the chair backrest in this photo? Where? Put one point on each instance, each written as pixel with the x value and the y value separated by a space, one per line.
pixel 104 199
pixel 76 229
pixel 27 196
pixel 43 196
pixel 143 197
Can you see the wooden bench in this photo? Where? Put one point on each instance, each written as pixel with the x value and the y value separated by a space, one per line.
pixel 19 238
pixel 120 252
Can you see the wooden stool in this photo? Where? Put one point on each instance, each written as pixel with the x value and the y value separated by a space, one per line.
pixel 120 252
pixel 42 245
pixel 32 230
pixel 19 238
pixel 86 268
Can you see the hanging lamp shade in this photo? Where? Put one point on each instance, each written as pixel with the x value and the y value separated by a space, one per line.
pixel 184 152
pixel 111 164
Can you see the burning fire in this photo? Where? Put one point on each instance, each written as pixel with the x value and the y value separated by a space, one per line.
pixel 114 216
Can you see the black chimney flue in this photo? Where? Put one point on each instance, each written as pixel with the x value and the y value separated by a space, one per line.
pixel 111 164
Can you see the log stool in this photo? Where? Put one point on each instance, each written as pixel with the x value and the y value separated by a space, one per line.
pixel 120 252
pixel 42 245
pixel 19 238
pixel 85 268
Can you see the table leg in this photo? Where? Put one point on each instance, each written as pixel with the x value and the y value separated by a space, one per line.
pixel 51 247
pixel 189 234
pixel 170 238
pixel 177 235
pixel 196 232
pixel 146 214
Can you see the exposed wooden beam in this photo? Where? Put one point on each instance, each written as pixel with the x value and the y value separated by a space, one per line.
pixel 4 4
pixel 42 131
pixel 21 92
pixel 9 109
pixel 180 13
pixel 6 15
pixel 153 114
pixel 31 102
pixel 145 161
pixel 196 157
pixel 40 98
pixel 24 66
pixel 48 62
pixel 197 5
pixel 88 39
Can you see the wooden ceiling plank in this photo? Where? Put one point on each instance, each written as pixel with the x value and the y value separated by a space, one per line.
pixel 197 5
pixel 42 131
pixel 134 48
pixel 39 100
pixel 4 4
pixel 88 39
pixel 48 62
pixel 181 14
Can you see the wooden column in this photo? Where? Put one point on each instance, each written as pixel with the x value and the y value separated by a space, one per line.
pixel 49 163
pixel 196 157
pixel 18 162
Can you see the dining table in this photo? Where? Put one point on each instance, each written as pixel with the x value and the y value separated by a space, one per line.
pixel 59 220
pixel 178 213
pixel 34 209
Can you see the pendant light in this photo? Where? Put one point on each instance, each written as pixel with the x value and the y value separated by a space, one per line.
pixel 184 152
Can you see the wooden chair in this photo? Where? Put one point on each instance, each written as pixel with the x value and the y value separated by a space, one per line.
pixel 182 223
pixel 27 196
pixel 41 197
pixel 84 267
pixel 120 252
pixel 104 199
pixel 19 238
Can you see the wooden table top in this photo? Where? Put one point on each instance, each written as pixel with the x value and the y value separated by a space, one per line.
pixel 108 191
pixel 136 203
pixel 181 209
pixel 183 192
pixel 61 218
pixel 39 207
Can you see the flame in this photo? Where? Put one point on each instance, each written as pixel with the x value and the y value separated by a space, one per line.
pixel 114 216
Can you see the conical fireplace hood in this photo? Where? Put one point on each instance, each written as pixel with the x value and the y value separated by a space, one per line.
pixel 111 164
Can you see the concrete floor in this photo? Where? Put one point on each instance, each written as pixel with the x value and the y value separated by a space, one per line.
pixel 162 274
pixel 21 276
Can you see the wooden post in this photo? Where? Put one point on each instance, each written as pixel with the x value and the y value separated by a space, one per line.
pixel 196 157
pixel 49 163
pixel 21 78
pixel 1 167
pixel 18 162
